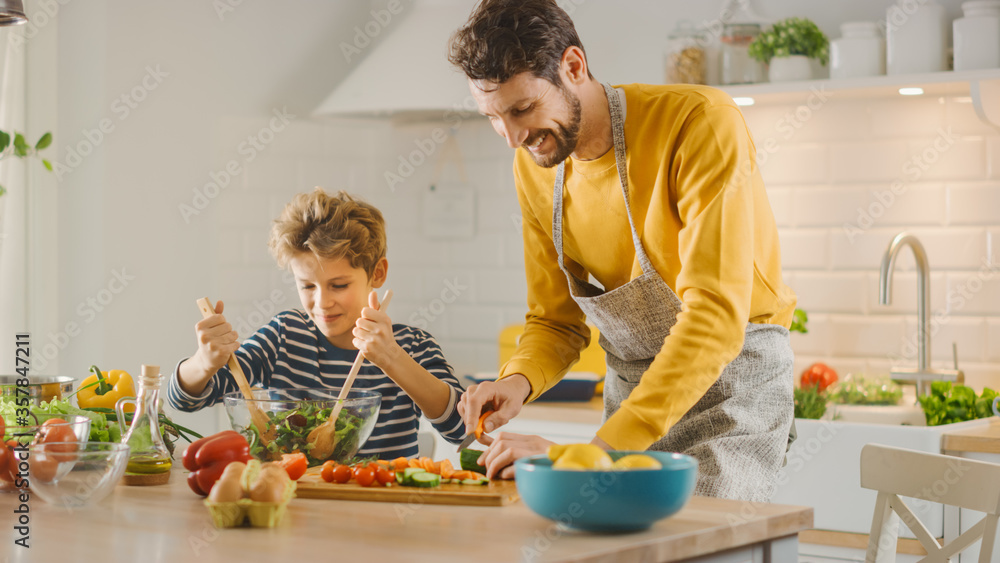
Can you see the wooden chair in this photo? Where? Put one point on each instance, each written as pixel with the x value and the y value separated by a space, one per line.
pixel 955 481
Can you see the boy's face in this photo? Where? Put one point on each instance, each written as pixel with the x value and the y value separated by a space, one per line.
pixel 333 293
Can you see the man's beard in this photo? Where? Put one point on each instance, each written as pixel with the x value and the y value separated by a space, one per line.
pixel 566 138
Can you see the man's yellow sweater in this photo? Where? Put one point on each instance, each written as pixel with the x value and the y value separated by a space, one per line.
pixel 702 214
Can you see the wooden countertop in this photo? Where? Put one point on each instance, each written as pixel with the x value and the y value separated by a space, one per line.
pixel 169 523
pixel 985 439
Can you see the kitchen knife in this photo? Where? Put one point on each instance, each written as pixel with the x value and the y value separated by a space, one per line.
pixel 471 436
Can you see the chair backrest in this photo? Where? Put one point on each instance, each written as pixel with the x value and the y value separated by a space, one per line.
pixel 955 481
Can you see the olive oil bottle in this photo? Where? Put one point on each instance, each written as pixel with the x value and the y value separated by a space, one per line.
pixel 149 460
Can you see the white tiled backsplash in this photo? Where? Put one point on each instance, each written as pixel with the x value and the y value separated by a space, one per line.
pixel 821 173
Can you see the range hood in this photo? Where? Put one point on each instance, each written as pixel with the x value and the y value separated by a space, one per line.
pixel 407 75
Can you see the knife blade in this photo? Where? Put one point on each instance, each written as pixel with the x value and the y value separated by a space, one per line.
pixel 471 436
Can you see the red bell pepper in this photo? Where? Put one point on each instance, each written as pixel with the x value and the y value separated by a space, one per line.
pixel 208 457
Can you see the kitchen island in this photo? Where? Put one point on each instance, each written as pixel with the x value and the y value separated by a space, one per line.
pixel 169 523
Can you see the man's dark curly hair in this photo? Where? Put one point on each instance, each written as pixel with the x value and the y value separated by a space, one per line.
pixel 507 37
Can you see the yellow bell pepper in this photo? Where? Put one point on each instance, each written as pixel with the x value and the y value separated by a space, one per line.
pixel 110 386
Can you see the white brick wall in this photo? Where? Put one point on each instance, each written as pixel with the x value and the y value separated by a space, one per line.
pixel 835 226
pixel 830 168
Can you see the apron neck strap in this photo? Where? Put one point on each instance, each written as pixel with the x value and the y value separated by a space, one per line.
pixel 618 136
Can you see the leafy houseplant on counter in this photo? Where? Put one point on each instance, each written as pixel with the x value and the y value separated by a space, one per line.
pixel 787 48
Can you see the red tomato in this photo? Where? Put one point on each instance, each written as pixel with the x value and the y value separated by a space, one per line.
pixel 295 465
pixel 327 472
pixel 43 467
pixel 818 374
pixel 365 476
pixel 52 433
pixel 5 455
pixel 384 476
pixel 341 473
pixel 2 427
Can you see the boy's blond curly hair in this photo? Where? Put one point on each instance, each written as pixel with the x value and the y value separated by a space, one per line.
pixel 330 227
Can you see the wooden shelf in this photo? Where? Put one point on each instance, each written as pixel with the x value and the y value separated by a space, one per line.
pixel 982 86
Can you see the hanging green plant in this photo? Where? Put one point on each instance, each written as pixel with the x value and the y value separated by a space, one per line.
pixel 792 36
pixel 19 147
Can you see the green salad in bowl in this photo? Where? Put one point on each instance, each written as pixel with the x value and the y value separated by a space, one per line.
pixel 292 414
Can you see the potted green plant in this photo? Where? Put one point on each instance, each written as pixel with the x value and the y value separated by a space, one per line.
pixel 21 149
pixel 787 48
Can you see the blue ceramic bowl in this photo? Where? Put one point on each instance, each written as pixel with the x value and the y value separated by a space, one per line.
pixel 607 501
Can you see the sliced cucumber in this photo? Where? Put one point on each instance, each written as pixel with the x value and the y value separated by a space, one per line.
pixel 399 477
pixel 425 479
pixel 475 481
pixel 411 471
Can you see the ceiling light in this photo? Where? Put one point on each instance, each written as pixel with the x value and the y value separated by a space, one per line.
pixel 911 91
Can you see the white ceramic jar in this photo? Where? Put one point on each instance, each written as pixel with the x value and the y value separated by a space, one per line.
pixel 916 37
pixel 859 52
pixel 977 35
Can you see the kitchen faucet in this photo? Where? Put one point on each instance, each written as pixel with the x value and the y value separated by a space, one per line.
pixel 924 373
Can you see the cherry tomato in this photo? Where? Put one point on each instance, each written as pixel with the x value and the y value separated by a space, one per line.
pixel 385 476
pixel 365 476
pixel 295 465
pixel 327 472
pixel 341 473
pixel 2 426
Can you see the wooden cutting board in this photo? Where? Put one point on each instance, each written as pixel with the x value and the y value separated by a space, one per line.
pixel 496 493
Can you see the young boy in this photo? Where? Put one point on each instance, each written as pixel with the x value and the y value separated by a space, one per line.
pixel 335 246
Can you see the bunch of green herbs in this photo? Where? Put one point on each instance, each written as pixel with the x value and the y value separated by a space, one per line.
pixel 949 403
pixel 859 390
pixel 810 402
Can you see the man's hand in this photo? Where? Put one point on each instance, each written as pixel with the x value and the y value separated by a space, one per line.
pixel 216 342
pixel 506 448
pixel 505 397
pixel 373 336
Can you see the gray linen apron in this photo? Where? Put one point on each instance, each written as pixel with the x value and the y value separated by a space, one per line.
pixel 738 431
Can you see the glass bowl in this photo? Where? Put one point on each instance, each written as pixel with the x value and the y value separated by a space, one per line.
pixel 16 440
pixel 294 413
pixel 79 477
pixel 607 500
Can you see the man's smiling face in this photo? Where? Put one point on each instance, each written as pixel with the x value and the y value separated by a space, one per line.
pixel 532 113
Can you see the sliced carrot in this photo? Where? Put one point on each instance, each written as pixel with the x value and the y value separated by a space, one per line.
pixel 415 463
pixel 426 463
pixel 476 475
pixel 436 467
pixel 480 428
pixel 462 474
pixel 383 462
pixel 446 469
pixel 401 463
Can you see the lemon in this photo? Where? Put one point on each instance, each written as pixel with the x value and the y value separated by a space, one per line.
pixel 582 456
pixel 556 450
pixel 637 461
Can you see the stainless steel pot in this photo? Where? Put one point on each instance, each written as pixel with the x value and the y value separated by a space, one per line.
pixel 40 387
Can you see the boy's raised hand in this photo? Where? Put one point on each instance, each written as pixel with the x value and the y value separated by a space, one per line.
pixel 216 340
pixel 373 335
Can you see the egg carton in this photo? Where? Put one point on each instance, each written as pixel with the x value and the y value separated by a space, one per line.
pixel 250 512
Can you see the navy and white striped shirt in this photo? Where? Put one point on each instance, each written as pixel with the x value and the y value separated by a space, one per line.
pixel 291 352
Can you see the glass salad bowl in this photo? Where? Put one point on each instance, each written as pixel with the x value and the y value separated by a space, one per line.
pixel 294 413
pixel 14 457
pixel 76 477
